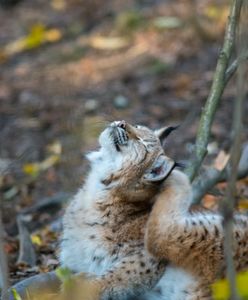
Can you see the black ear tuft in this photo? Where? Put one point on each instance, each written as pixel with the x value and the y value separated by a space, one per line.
pixel 168 131
pixel 180 165
pixel 164 132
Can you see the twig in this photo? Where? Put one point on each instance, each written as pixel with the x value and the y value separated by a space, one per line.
pixel 229 202
pixel 233 67
pixel 48 204
pixel 27 253
pixel 37 285
pixel 216 92
pixel 4 280
pixel 204 183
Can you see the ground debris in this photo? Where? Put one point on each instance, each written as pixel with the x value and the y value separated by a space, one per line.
pixel 27 253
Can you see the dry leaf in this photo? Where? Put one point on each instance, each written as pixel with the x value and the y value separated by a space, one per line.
pixel 221 290
pixel 36 240
pixel 33 169
pixel 37 36
pixel 55 148
pixel 58 4
pixel 221 160
pixel 108 43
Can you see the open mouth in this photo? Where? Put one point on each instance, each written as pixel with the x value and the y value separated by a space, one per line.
pixel 119 134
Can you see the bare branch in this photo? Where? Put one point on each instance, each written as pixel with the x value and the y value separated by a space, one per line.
pixel 53 203
pixel 204 183
pixel 27 253
pixel 229 202
pixel 233 67
pixel 4 280
pixel 216 92
pixel 37 285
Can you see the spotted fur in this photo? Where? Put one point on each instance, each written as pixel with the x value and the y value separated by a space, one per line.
pixel 190 240
pixel 104 225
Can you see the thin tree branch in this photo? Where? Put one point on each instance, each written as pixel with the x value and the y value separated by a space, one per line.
pixel 216 92
pixel 4 280
pixel 233 67
pixel 37 285
pixel 229 202
pixel 204 183
pixel 27 253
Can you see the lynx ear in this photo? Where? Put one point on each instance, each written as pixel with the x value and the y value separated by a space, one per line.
pixel 163 132
pixel 160 169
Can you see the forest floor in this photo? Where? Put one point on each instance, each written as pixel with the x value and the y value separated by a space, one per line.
pixel 67 68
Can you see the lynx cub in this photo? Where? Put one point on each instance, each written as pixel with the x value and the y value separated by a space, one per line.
pixel 192 240
pixel 104 225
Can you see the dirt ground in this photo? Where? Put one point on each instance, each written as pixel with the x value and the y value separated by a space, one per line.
pixel 67 68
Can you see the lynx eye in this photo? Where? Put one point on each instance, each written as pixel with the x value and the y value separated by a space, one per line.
pixel 143 142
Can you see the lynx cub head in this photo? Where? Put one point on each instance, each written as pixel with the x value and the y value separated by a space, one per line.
pixel 131 161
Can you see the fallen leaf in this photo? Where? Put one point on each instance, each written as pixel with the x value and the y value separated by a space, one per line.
pixel 55 148
pixel 36 240
pixel 221 160
pixel 9 194
pixel 52 35
pixel 10 247
pixel 167 22
pixel 108 43
pixel 49 162
pixel 15 294
pixel 213 11
pixel 58 4
pixel 63 273
pixel 37 36
pixel 243 204
pixel 33 169
pixel 217 12
pixel 129 21
pixel 221 289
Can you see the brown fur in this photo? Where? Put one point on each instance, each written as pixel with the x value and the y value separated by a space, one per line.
pixel 114 222
pixel 105 229
pixel 192 240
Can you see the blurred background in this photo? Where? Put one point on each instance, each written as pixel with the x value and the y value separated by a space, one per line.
pixel 67 68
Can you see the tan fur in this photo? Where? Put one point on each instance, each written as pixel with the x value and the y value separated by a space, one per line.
pixel 104 226
pixel 192 240
pixel 114 222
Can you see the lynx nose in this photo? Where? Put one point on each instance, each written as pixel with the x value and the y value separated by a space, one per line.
pixel 122 124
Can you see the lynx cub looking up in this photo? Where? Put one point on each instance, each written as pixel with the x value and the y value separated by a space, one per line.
pixel 192 240
pixel 105 223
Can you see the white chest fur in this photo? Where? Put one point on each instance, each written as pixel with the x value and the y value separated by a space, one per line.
pixel 84 254
pixel 82 248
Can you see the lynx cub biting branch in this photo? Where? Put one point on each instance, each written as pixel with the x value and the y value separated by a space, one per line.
pixel 192 240
pixel 104 225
